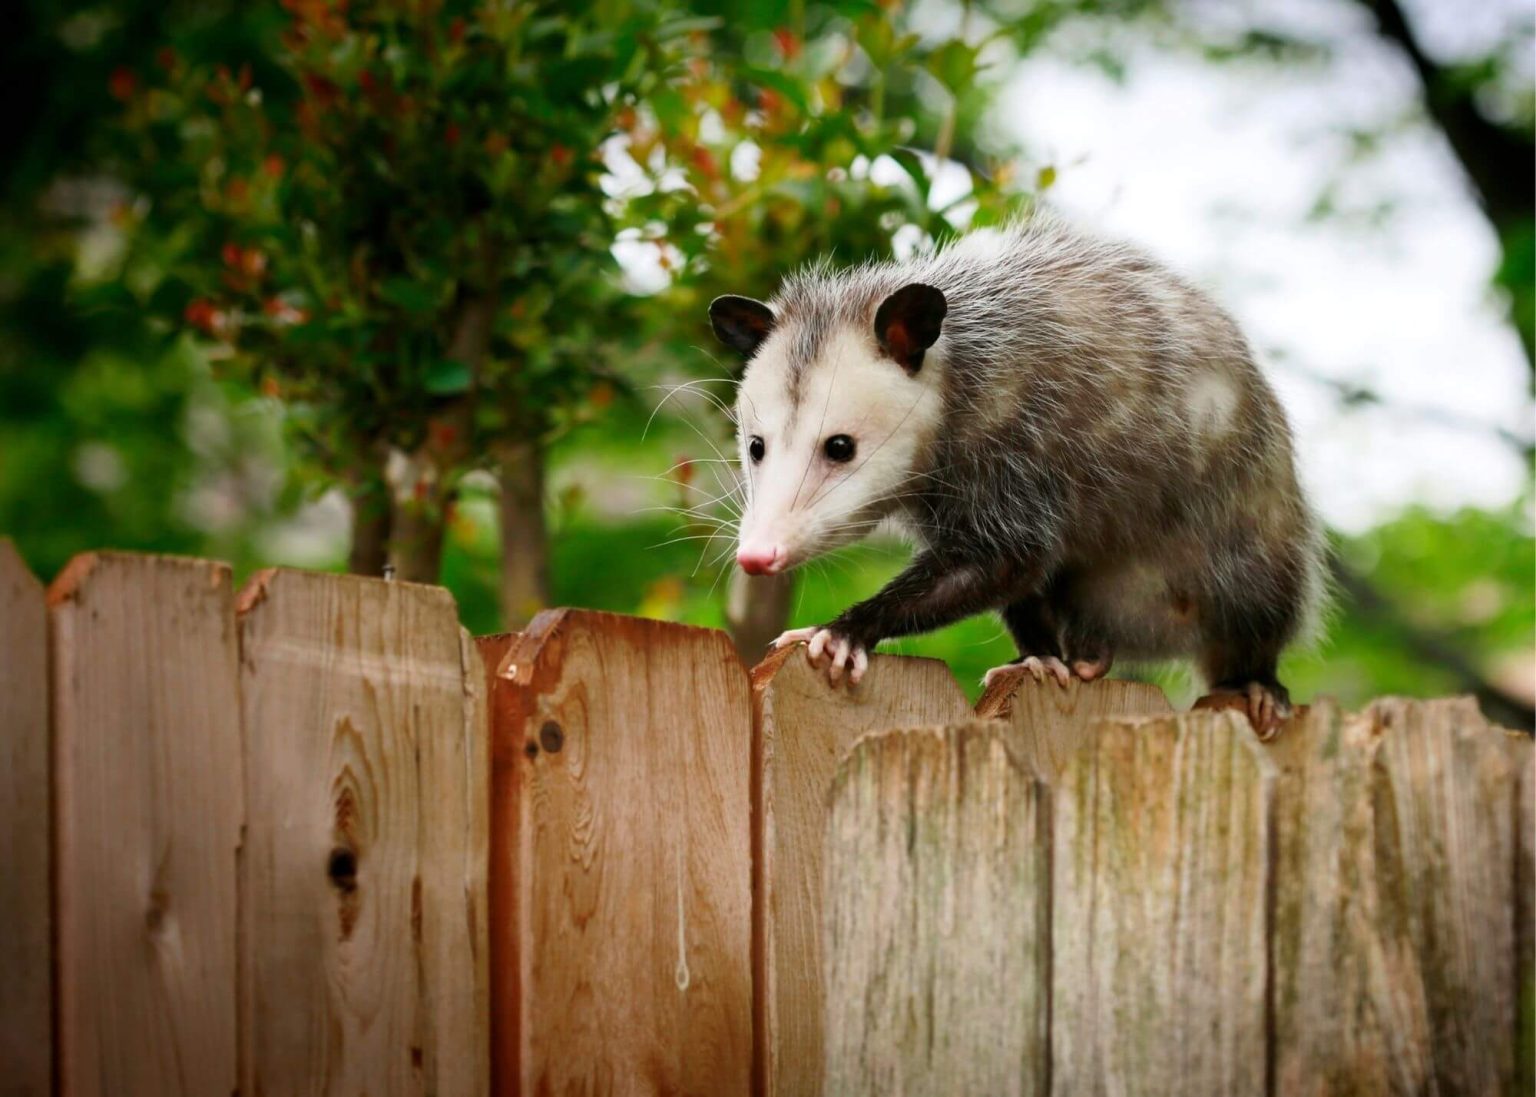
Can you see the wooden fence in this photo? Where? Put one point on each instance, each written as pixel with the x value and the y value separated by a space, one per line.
pixel 310 837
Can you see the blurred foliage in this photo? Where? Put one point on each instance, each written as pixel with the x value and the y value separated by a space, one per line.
pixel 229 226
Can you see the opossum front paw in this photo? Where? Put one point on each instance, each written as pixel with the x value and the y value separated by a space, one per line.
pixel 841 653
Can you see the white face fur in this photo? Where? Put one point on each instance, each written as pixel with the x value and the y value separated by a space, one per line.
pixel 822 470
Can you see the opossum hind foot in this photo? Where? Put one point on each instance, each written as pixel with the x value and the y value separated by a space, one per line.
pixel 1267 704
pixel 1041 666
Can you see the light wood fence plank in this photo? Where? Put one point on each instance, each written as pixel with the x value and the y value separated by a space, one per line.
pixel 26 946
pixel 1519 745
pixel 365 918
pixel 1344 1022
pixel 148 809
pixel 804 727
pixel 1446 796
pixel 630 904
pixel 1159 909
pixel 1048 722
pixel 935 926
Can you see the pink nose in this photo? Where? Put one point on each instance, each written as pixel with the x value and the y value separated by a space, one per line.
pixel 763 560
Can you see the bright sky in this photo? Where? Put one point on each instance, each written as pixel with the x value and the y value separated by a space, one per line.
pixel 1214 169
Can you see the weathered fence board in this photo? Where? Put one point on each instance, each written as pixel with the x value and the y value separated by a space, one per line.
pixel 365 898
pixel 631 892
pixel 1327 949
pixel 1525 915
pixel 26 1007
pixel 147 779
pixel 935 920
pixel 1158 912
pixel 1048 723
pixel 804 727
pixel 1446 799
pixel 1396 952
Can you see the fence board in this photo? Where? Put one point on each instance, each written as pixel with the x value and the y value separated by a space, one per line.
pixel 1446 797
pixel 1343 1021
pixel 935 922
pixel 631 903
pixel 1520 746
pixel 804 727
pixel 1158 912
pixel 26 1008
pixel 148 808
pixel 364 910
pixel 1048 723
pixel 506 754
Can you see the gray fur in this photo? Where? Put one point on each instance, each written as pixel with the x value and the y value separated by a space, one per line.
pixel 1104 429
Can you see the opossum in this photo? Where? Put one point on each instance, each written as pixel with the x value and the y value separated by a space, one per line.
pixel 1069 433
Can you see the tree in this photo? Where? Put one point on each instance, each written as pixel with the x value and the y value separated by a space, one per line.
pixel 400 231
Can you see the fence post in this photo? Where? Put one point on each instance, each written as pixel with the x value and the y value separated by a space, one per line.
pixel 147 779
pixel 364 909
pixel 26 946
pixel 628 913
pixel 936 919
pixel 804 727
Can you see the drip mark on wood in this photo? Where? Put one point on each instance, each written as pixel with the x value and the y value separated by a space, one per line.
pixel 681 975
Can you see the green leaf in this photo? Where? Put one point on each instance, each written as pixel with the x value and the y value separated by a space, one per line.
pixel 447 377
pixel 408 294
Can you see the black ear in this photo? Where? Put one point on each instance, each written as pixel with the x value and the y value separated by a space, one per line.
pixel 740 322
pixel 907 323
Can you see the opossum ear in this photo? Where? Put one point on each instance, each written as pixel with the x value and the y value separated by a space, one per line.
pixel 907 323
pixel 740 322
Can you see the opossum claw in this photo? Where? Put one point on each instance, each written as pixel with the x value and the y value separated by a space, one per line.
pixel 793 636
pixel 842 652
pixel 1039 666
pixel 1267 708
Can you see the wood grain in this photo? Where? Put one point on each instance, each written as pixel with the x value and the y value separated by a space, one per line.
pixel 1519 746
pixel 1446 796
pixel 1049 722
pixel 1158 914
pixel 935 924
pixel 804 727
pixel 26 946
pixel 1339 1024
pixel 506 756
pixel 148 809
pixel 631 831
pixel 364 914
pixel 1397 920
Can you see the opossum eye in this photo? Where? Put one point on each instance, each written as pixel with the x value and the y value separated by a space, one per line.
pixel 838 448
pixel 756 448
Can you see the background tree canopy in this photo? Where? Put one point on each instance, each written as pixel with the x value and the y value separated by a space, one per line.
pixel 422 284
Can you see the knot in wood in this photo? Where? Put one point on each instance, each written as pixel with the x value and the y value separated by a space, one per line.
pixel 551 738
pixel 341 867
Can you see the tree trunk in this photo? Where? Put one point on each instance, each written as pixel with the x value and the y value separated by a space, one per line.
pixel 370 527
pixel 757 610
pixel 524 541
pixel 417 518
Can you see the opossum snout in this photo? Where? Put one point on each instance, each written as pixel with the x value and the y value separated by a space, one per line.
pixel 762 559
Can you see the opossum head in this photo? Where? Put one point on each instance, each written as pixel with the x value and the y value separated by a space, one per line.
pixel 835 413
